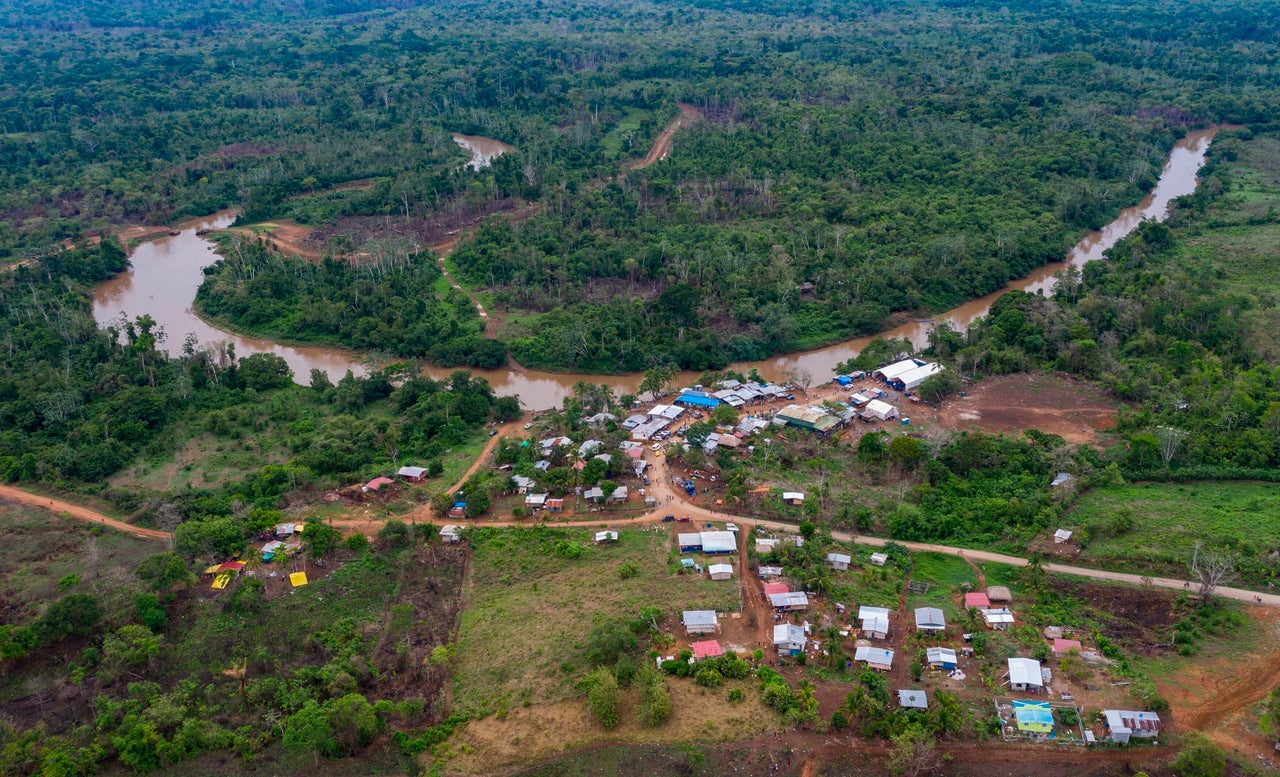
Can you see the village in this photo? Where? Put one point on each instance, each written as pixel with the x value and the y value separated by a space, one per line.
pixel 807 600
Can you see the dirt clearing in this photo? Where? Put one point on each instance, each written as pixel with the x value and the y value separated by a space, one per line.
pixel 1054 404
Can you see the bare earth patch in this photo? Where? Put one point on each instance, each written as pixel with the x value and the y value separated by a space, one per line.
pixel 1054 404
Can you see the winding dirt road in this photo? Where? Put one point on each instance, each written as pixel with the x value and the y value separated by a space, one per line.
pixel 661 147
pixel 11 494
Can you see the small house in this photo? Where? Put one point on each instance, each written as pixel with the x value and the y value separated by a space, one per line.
pixel 838 560
pixel 459 510
pixel 999 594
pixel 542 465
pixel 600 419
pixel 913 700
pixel 1061 536
pixel 879 559
pixel 700 622
pixel 940 658
pixel 976 599
pixel 875 658
pixel 451 533
pixel 284 530
pixel 1063 646
pixel 791 601
pixel 789 639
pixel 765 546
pixel 1123 724
pixel 766 572
pixel 1024 675
pixel 607 458
pixel 375 485
pixel 619 495
pixel 606 536
pixel 535 501
pixel 690 542
pixel 1000 619
pixel 555 505
pixel 523 484
pixel 412 474
pixel 930 619
pixel 1061 479
pixel 875 621
pixel 776 588
pixel 706 649
pixel 720 571
pixel 593 493
pixel 793 497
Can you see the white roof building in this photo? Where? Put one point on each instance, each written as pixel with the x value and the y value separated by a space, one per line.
pixel 998 619
pixel 451 533
pixel 913 700
pixel 1062 535
pixel 897 369
pixel 913 378
pixel 881 409
pixel 720 571
pixel 792 496
pixel 788 637
pixel 930 619
pixel 940 657
pixel 593 493
pixel 588 446
pixel 411 472
pixel 838 560
pixel 1123 724
pixel 700 621
pixel 879 559
pixel 876 658
pixel 875 620
pixel 606 536
pixel 792 600
pixel 1024 674
pixel 535 500
pixel 688 540
pixel 523 483
pixel 719 542
pixel 667 413
pixel 632 421
pixel 770 571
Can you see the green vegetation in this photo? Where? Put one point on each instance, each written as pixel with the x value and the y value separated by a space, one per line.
pixel 571 610
pixel 314 671
pixel 1154 527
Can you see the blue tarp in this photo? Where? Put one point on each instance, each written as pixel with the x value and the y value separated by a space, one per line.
pixel 844 380
pixel 697 399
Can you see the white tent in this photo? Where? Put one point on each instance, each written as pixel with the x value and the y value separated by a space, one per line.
pixel 910 380
pixel 881 409
pixel 896 369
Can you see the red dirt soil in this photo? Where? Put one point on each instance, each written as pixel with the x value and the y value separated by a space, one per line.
pixel 1054 404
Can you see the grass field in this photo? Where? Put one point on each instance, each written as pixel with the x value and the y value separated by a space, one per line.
pixel 944 574
pixel 1168 520
pixel 530 606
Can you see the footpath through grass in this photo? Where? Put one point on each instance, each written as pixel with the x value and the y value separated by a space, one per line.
pixel 534 594
pixel 1154 527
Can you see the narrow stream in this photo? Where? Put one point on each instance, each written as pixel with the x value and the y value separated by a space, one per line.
pixel 166 272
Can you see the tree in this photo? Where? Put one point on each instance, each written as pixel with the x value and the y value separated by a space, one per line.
pixel 602 697
pixel 939 386
pixel 724 415
pixel 263 371
pixel 477 503
pixel 163 571
pixel 213 537
pixel 906 453
pixel 607 640
pixel 307 730
pixel 800 378
pixel 74 615
pixel 128 647
pixel 1199 757
pixel 320 539
pixel 871 448
pixel 441 504
pixel 1169 441
pixel 655 705
pixel 914 752
pixel 394 534
pixel 148 609
pixel 1211 569
pixel 657 380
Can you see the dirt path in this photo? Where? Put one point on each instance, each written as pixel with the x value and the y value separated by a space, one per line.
pixel 512 429
pixel 78 513
pixel 662 144
pixel 1251 684
pixel 284 236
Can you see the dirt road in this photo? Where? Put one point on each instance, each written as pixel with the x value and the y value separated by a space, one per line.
pixel 662 144
pixel 76 512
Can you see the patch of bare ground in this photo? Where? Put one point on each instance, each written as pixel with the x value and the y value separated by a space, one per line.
pixel 447 223
pixel 495 745
pixel 1055 404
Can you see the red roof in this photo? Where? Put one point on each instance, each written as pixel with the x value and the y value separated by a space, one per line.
pixel 555 503
pixel 776 588
pixel 706 649
pixel 1064 645
pixel 377 483
pixel 634 453
pixel 235 566
pixel 978 599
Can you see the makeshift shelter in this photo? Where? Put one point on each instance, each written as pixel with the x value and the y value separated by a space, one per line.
pixel 376 484
pixel 765 546
pixel 940 658
pixel 1061 536
pixel 1063 646
pixel 793 497
pixel 930 619
pixel 606 536
pixel 874 657
pixel 298 579
pixel 451 533
pixel 770 572
pixel 706 649
pixel 881 410
pixel 720 571
pixel 875 621
pixel 1024 675
pixel 913 700
pixel 700 622
pixel 879 559
pixel 555 505
pixel 1123 724
pixel 999 593
pixel 523 484
pixel 789 639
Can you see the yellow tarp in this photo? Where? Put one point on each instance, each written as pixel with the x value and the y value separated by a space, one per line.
pixel 212 569
pixel 298 578
pixel 222 580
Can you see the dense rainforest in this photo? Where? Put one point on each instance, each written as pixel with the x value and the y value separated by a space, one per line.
pixel 851 163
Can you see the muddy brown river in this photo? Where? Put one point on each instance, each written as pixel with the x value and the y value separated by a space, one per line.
pixel 483 150
pixel 166 272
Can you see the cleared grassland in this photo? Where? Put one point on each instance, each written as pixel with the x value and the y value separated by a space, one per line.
pixel 533 594
pixel 945 576
pixel 1166 520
